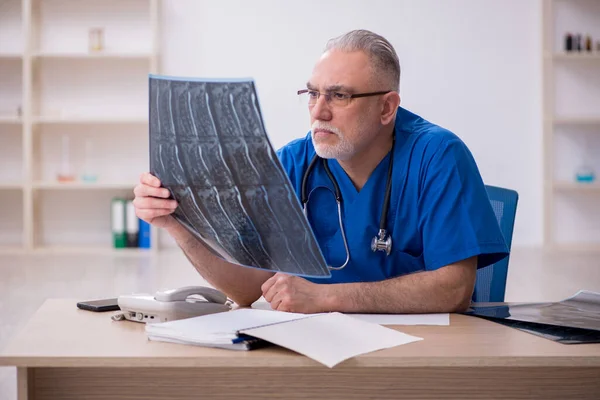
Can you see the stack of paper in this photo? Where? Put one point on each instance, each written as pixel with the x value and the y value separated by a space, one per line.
pixel 217 330
pixel 327 338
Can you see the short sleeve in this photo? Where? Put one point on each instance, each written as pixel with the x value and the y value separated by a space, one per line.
pixel 293 158
pixel 456 218
pixel 287 161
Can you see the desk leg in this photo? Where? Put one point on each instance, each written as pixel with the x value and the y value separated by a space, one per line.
pixel 25 383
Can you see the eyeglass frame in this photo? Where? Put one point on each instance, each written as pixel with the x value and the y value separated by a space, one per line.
pixel 350 96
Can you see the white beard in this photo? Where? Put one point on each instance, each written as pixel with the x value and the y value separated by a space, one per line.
pixel 342 150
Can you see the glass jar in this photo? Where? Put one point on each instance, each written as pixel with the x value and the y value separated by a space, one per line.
pixel 96 39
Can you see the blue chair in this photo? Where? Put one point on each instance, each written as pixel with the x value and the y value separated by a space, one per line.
pixel 490 285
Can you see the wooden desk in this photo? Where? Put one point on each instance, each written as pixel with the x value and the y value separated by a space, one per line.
pixel 66 353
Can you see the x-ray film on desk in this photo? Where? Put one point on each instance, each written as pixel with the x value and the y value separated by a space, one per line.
pixel 570 321
pixel 209 147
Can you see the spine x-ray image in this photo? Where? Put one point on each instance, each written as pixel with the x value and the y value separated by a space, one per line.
pixel 208 146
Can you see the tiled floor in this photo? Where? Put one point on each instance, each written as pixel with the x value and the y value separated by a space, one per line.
pixel 26 281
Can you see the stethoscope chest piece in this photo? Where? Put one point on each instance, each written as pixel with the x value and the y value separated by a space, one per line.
pixel 382 243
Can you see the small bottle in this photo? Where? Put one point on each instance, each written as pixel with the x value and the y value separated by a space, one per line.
pixel 568 42
pixel 89 175
pixel 96 39
pixel 65 174
pixel 578 44
pixel 598 46
pixel 588 43
pixel 585 174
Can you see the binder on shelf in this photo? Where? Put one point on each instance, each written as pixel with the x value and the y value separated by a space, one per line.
pixel 132 225
pixel 118 223
pixel 144 235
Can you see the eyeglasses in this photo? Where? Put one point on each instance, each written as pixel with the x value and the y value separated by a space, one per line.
pixel 334 98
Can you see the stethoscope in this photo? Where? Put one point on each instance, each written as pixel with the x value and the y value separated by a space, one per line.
pixel 381 242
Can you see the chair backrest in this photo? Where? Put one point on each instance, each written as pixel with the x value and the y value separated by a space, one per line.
pixel 491 280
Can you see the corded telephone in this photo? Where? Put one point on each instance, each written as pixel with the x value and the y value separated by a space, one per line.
pixel 173 304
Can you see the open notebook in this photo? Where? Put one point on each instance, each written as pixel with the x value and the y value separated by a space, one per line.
pixel 328 338
pixel 218 330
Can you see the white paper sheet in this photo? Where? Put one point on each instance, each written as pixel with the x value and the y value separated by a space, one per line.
pixel 217 328
pixel 386 319
pixel 405 319
pixel 331 338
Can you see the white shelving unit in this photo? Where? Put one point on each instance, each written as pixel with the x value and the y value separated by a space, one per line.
pixel 571 93
pixel 53 86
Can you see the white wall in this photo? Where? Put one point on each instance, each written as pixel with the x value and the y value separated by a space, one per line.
pixel 473 66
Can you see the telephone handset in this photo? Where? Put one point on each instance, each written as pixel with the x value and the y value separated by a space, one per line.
pixel 181 294
pixel 173 304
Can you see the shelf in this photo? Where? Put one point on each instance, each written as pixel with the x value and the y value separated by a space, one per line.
pixel 10 56
pixel 10 186
pixel 76 250
pixel 577 121
pixel 92 250
pixel 83 185
pixel 576 56
pixel 577 187
pixel 11 250
pixel 89 56
pixel 88 120
pixel 10 120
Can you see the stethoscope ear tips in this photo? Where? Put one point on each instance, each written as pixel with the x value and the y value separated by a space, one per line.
pixel 382 243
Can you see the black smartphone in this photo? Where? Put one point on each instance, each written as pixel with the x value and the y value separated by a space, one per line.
pixel 99 305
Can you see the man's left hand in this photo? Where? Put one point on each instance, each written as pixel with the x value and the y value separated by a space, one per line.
pixel 294 294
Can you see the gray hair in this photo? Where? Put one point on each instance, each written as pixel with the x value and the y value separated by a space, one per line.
pixel 381 53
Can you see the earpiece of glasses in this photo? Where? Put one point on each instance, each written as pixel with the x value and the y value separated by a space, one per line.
pixel 335 98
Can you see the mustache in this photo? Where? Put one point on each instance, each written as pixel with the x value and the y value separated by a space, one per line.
pixel 326 127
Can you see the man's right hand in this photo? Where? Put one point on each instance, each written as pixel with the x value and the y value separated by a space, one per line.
pixel 152 203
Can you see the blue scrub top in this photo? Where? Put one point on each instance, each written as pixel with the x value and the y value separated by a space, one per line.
pixel 439 211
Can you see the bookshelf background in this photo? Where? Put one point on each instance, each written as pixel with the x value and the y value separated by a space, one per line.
pixel 55 90
pixel 571 95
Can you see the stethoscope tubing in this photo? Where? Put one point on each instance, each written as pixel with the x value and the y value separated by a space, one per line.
pixel 379 242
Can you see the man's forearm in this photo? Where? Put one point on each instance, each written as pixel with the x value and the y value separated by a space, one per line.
pixel 447 289
pixel 240 284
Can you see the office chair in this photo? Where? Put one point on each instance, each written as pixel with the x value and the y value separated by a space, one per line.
pixel 491 280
